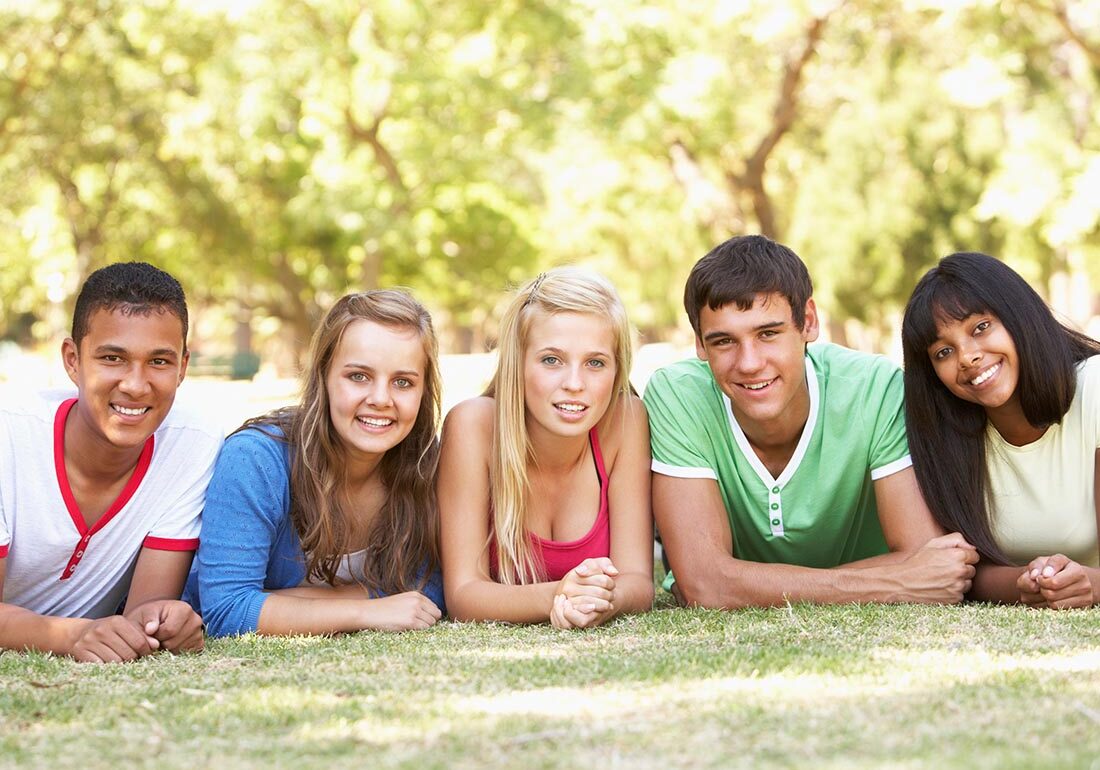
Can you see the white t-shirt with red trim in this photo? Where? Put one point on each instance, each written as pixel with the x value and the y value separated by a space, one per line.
pixel 55 563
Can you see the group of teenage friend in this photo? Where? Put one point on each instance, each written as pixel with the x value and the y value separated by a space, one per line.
pixel 776 468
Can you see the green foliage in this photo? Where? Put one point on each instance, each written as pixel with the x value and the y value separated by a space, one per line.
pixel 278 154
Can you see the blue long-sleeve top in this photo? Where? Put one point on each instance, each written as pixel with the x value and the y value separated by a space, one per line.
pixel 248 544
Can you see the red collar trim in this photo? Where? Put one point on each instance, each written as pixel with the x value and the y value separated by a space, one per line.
pixel 63 477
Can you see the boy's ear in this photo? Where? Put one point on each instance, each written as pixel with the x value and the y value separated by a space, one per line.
pixel 811 327
pixel 70 357
pixel 183 366
pixel 700 349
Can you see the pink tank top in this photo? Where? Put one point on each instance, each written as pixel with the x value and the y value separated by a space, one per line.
pixel 560 556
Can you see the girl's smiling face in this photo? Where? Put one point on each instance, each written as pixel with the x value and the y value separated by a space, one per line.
pixel 375 382
pixel 976 360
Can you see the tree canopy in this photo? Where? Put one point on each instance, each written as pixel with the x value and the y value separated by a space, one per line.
pixel 275 155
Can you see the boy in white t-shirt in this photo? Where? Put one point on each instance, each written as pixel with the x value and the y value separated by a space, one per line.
pixel 101 490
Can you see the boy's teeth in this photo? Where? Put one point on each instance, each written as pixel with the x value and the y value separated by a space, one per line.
pixel 130 412
pixel 759 385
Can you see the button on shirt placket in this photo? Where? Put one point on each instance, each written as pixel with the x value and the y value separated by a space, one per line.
pixel 78 554
pixel 775 511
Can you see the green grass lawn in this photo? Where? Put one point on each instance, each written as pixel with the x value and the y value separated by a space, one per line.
pixel 856 686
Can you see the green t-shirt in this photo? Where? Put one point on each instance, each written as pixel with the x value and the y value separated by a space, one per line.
pixel 821 510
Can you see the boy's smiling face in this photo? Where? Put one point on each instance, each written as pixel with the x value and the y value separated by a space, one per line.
pixel 126 370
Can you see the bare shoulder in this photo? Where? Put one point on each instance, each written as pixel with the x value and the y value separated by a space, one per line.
pixel 625 425
pixel 471 418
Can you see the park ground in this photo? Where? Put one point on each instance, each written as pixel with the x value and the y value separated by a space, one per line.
pixel 799 686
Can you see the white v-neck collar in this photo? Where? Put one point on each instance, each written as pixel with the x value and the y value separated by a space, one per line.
pixel 803 441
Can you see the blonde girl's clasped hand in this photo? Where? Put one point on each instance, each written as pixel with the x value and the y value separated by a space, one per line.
pixel 1003 419
pixel 544 480
pixel 322 517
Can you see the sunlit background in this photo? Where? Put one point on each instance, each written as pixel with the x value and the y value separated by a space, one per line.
pixel 274 155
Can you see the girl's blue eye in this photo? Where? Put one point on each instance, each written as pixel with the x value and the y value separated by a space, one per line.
pixel 551 360
pixel 401 382
pixel 597 363
pixel 357 377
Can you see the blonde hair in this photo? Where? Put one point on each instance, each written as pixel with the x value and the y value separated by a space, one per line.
pixel 561 290
pixel 402 548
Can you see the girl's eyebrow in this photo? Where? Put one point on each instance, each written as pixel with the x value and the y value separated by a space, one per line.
pixel 369 368
pixel 589 354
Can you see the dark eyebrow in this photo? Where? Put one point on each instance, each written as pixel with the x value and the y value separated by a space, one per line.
pixel 719 334
pixel 119 350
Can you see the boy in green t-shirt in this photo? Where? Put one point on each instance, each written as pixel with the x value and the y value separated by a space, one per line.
pixel 781 471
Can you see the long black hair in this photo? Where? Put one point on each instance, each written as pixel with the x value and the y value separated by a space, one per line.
pixel 946 433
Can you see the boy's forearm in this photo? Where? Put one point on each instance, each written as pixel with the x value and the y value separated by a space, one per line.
pixel 22 629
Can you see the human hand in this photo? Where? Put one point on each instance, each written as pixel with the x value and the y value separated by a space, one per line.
pixel 1061 583
pixel 171 622
pixel 564 615
pixel 400 612
pixel 1028 585
pixel 588 593
pixel 941 572
pixel 113 639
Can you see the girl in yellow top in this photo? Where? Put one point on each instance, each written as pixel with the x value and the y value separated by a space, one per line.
pixel 1003 417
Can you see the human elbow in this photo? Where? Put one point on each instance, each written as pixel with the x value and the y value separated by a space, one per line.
pixel 460 607
pixel 695 590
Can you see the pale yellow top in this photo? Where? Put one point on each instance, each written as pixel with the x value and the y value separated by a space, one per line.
pixel 1042 495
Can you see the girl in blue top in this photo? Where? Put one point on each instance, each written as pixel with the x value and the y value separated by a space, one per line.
pixel 321 518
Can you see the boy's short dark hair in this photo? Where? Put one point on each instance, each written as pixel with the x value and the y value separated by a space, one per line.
pixel 742 267
pixel 132 287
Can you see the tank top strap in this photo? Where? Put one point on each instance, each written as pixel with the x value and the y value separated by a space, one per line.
pixel 597 457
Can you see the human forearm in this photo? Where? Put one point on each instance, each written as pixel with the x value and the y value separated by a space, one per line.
pixel 996 583
pixel 286 615
pixel 741 584
pixel 940 572
pixel 882 560
pixel 633 592
pixel 22 629
pixel 488 600
pixel 343 591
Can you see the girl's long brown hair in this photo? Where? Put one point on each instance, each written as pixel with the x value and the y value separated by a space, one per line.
pixel 402 549
pixel 947 434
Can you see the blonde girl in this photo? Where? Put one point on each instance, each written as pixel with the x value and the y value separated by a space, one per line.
pixel 544 480
pixel 321 518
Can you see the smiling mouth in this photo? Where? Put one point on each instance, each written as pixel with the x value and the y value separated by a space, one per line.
pixel 376 422
pixel 131 412
pixel 756 385
pixel 571 408
pixel 987 374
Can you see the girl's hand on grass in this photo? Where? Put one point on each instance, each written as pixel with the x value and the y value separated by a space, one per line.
pixel 401 612
pixel 1062 583
pixel 586 593
pixel 589 583
pixel 566 616
pixel 1028 584
pixel 113 639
